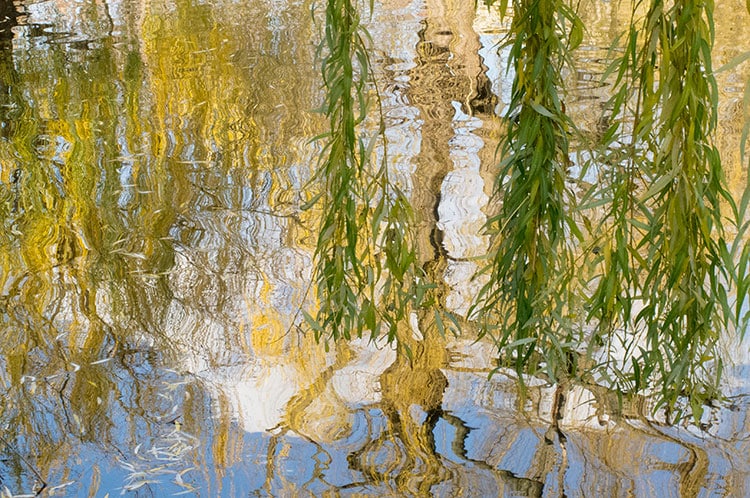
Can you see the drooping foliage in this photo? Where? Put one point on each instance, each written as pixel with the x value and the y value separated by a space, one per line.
pixel 365 270
pixel 525 302
pixel 640 264
pixel 667 265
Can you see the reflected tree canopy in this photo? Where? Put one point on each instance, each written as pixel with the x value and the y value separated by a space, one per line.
pixel 163 250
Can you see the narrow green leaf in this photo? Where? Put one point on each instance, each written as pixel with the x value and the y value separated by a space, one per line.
pixel 542 110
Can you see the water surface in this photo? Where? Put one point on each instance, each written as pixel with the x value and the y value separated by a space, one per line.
pixel 154 258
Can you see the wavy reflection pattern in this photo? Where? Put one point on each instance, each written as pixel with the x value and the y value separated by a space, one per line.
pixel 153 258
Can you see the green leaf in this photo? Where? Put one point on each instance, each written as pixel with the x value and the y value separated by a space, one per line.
pixel 311 202
pixel 542 110
pixel 576 33
pixel 659 185
pixel 439 323
pixel 520 342
pixel 734 62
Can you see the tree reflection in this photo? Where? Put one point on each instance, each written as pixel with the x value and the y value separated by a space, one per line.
pixel 72 267
pixel 153 256
pixel 404 456
pixel 112 153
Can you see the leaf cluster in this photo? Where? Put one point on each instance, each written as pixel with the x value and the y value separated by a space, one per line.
pixel 525 304
pixel 366 269
pixel 640 264
pixel 667 268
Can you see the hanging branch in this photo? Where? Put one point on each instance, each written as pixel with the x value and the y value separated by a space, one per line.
pixel 668 259
pixel 365 265
pixel 525 302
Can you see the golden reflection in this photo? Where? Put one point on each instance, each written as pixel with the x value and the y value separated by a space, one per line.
pixel 91 202
pixel 153 258
pixel 404 456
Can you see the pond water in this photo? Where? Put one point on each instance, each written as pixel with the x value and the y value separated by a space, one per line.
pixel 154 256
